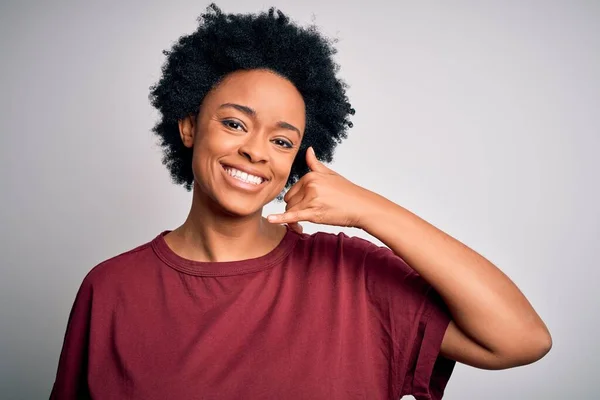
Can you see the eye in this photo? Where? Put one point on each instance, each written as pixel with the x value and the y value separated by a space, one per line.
pixel 232 124
pixel 286 144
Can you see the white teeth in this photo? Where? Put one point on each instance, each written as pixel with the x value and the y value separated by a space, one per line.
pixel 243 176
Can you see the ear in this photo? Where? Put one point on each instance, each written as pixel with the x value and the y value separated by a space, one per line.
pixel 187 130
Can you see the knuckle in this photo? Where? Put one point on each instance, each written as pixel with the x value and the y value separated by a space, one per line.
pixel 311 184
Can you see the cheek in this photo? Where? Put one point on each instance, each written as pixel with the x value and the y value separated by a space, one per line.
pixel 208 146
pixel 283 168
pixel 202 158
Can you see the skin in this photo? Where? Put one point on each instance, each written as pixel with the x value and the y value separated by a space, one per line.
pixel 493 327
pixel 225 223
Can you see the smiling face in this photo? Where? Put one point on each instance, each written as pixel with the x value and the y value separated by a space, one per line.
pixel 252 122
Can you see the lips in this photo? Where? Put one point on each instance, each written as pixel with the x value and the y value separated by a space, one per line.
pixel 239 184
pixel 247 170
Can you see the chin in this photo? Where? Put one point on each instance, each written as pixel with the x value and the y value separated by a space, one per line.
pixel 236 202
pixel 239 207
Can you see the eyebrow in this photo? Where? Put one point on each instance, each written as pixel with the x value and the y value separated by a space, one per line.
pixel 245 109
pixel 252 113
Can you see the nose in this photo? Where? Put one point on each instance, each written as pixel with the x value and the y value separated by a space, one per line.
pixel 254 148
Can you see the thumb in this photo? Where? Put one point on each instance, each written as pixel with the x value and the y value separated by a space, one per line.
pixel 313 163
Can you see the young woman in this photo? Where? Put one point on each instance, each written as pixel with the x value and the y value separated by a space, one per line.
pixel 232 305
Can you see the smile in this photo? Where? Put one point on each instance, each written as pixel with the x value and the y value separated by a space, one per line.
pixel 243 176
pixel 241 179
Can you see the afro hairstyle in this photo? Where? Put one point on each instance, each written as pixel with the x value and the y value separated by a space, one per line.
pixel 224 43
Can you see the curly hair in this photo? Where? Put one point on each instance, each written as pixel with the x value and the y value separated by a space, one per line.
pixel 224 43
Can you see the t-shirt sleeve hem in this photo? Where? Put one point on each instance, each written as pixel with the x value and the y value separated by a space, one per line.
pixel 432 371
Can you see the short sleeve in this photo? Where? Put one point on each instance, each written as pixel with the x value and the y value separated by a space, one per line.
pixel 413 319
pixel 71 375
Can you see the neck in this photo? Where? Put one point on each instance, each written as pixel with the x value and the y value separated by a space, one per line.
pixel 211 234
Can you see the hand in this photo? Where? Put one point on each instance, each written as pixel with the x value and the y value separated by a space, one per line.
pixel 323 196
pixel 295 227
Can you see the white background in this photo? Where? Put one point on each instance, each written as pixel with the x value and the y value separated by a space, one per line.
pixel 481 117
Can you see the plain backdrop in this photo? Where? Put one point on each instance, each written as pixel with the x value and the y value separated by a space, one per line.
pixel 481 117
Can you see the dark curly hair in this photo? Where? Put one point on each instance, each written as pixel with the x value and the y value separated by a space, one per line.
pixel 224 43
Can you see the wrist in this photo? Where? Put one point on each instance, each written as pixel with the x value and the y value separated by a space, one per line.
pixel 372 211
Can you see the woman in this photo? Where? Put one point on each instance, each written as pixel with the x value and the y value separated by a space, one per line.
pixel 232 305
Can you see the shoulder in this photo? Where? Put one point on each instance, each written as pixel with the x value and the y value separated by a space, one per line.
pixel 120 268
pixel 339 242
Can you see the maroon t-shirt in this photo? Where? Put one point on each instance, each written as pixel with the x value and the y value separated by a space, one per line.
pixel 322 316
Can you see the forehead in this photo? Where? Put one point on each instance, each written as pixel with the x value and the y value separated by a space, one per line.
pixel 270 95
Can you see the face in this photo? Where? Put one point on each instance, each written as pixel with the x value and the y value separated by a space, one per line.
pixel 245 139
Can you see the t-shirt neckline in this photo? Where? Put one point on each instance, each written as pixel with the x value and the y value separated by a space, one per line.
pixel 224 268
